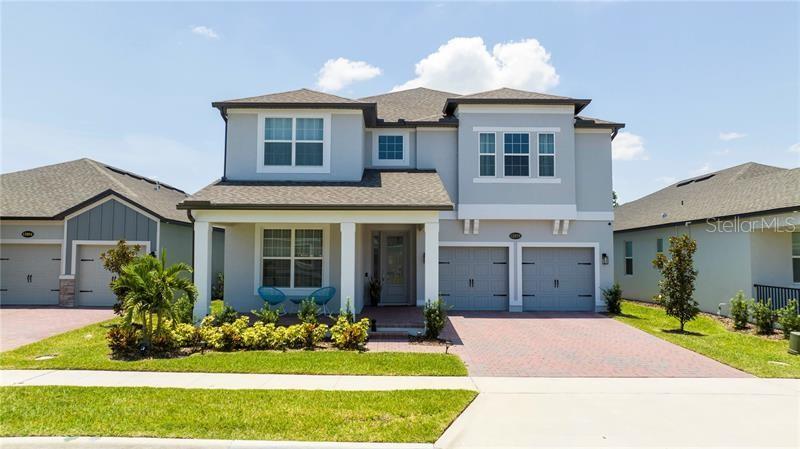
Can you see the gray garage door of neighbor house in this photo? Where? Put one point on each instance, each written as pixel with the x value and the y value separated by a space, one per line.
pixel 29 274
pixel 474 278
pixel 558 279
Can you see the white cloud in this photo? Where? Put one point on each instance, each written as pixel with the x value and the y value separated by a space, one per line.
pixel 628 147
pixel 205 31
pixel 795 148
pixel 733 135
pixel 29 145
pixel 464 65
pixel 336 74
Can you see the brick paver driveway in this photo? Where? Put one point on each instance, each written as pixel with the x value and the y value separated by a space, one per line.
pixel 569 345
pixel 22 325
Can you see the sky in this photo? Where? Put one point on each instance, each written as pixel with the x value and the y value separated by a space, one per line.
pixel 700 86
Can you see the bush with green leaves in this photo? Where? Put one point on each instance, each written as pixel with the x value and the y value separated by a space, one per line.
pixel 218 288
pixel 264 336
pixel 267 315
pixel 613 297
pixel 226 314
pixel 789 319
pixel 225 337
pixel 183 310
pixel 123 341
pixel 740 310
pixel 307 311
pixel 113 260
pixel 185 335
pixel 676 287
pixel 346 334
pixel 764 316
pixel 435 314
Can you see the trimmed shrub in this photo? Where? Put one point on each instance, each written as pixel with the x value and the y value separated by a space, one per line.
pixel 613 297
pixel 263 336
pixel 307 311
pixel 764 316
pixel 740 310
pixel 226 337
pixel 435 313
pixel 348 335
pixel 123 341
pixel 185 335
pixel 789 319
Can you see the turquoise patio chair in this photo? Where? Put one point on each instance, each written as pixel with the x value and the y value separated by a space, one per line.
pixel 271 295
pixel 322 297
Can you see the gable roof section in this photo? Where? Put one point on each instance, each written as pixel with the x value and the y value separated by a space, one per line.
pixel 55 191
pixel 412 105
pixel 377 189
pixel 749 188
pixel 509 96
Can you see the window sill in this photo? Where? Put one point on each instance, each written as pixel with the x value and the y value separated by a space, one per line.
pixel 520 180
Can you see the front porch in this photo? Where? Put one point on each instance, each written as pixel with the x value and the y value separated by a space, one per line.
pixel 301 251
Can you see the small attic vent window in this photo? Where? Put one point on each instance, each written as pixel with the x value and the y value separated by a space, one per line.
pixel 689 181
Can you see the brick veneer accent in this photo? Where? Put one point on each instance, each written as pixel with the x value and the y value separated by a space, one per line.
pixel 66 292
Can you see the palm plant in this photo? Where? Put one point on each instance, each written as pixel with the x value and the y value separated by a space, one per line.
pixel 150 289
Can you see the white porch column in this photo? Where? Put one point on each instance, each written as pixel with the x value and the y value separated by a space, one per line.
pixel 347 286
pixel 431 261
pixel 202 268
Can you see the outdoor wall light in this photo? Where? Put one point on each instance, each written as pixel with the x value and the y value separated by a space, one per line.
pixel 605 259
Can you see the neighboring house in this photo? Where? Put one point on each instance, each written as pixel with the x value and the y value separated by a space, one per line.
pixel 56 220
pixel 746 221
pixel 499 200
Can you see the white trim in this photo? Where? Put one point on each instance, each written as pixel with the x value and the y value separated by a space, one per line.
pixel 316 216
pixel 294 115
pixel 556 224
pixel 107 199
pixel 592 131
pixel 24 222
pixel 31 241
pixel 512 275
pixel 517 129
pixel 347 268
pixel 515 109
pixel 75 244
pixel 259 251
pixel 64 251
pixel 466 226
pixel 595 216
pixel 516 180
pixel 598 304
pixel 203 246
pixel 476 227
pixel 66 276
pixel 435 128
pixel 298 110
pixel 493 211
pixel 404 134
pixel 431 262
pixel 565 227
pixel 448 215
pixel 158 237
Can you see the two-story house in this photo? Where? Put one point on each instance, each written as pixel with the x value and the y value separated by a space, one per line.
pixel 499 200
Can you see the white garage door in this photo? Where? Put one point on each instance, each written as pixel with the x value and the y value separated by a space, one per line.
pixel 558 279
pixel 29 274
pixel 474 278
pixel 91 279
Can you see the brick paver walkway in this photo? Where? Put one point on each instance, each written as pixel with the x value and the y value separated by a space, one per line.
pixel 22 325
pixel 569 345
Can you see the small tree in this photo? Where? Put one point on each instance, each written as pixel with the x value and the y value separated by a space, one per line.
pixel 676 287
pixel 613 297
pixel 113 260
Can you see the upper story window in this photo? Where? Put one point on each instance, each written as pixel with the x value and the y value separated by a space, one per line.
pixel 629 258
pixel 390 148
pixel 294 142
pixel 282 147
pixel 487 154
pixel 547 155
pixel 516 150
pixel 796 256
pixel 659 246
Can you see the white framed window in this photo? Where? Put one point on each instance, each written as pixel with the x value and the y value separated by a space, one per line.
pixel 796 257
pixel 516 154
pixel 629 258
pixel 547 155
pixel 293 257
pixel 659 246
pixel 293 142
pixel 390 147
pixel 487 155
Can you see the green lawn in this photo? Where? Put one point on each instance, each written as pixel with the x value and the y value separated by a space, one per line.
pixel 709 337
pixel 86 348
pixel 375 416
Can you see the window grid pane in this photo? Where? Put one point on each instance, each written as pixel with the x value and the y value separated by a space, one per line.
pixel 486 143
pixel 628 266
pixel 659 245
pixel 516 143
pixel 277 153
pixel 546 144
pixel 278 129
pixel 547 165
pixel 308 153
pixel 308 243
pixel 390 147
pixel 307 273
pixel 276 273
pixel 277 243
pixel 796 243
pixel 487 165
pixel 516 165
pixel 309 129
pixel 628 249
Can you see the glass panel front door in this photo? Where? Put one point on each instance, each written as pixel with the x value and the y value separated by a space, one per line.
pixel 394 268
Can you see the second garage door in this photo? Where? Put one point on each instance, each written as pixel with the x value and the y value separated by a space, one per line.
pixel 92 280
pixel 474 278
pixel 29 274
pixel 558 279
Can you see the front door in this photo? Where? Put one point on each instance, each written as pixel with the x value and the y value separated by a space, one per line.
pixel 394 268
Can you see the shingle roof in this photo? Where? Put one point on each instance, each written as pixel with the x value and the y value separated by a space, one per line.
pixel 294 96
pixel 54 191
pixel 418 104
pixel 506 93
pixel 378 189
pixel 744 189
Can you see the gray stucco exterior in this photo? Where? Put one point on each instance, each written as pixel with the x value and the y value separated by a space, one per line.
pixel 726 261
